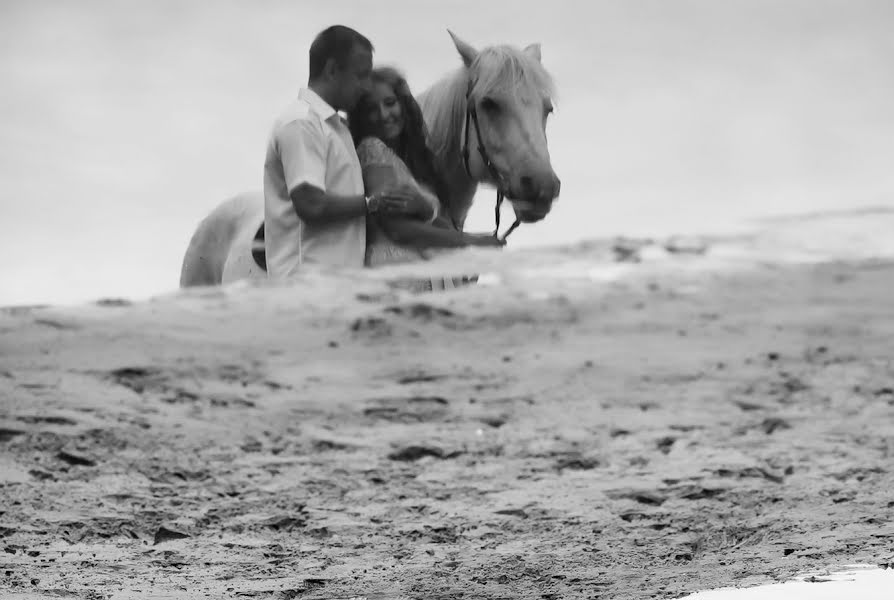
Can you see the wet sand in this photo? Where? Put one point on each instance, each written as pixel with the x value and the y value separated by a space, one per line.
pixel 649 437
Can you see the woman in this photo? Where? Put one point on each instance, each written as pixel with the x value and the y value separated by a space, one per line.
pixel 390 135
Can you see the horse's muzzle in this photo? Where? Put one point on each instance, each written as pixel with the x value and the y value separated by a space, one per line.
pixel 534 197
pixel 531 212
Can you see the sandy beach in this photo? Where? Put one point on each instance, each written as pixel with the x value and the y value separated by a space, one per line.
pixel 652 436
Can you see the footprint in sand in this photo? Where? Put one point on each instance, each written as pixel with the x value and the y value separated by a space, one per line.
pixel 55 324
pixel 421 311
pixel 750 473
pixel 665 444
pixel 206 380
pixel 412 409
pixel 373 326
pixel 75 459
pixel 575 461
pixel 138 379
pixel 416 452
pixel 419 377
pixel 647 497
pixel 697 492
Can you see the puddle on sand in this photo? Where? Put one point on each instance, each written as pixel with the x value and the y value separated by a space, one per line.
pixel 854 581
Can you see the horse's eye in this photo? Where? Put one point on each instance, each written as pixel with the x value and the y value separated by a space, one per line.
pixel 490 105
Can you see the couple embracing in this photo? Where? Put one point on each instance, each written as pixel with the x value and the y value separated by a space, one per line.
pixel 357 192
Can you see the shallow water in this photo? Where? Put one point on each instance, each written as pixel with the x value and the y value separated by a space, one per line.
pixel 859 582
pixel 837 236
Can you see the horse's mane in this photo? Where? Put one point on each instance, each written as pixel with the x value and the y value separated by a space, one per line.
pixel 497 69
pixel 444 107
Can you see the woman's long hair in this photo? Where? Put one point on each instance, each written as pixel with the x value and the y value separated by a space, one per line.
pixel 411 146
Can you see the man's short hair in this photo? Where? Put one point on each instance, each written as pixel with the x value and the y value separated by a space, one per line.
pixel 334 42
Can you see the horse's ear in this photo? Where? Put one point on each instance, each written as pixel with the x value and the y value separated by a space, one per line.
pixel 533 50
pixel 466 51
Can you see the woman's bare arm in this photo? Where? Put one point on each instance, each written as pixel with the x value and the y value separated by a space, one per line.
pixel 410 232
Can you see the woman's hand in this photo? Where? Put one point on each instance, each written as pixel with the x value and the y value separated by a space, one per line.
pixel 404 201
pixel 484 240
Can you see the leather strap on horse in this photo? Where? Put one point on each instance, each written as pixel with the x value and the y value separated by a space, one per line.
pixel 472 116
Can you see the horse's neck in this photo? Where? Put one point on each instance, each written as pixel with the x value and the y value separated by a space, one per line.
pixel 461 191
pixel 448 139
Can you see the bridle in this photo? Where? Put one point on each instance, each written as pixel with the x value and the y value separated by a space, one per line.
pixel 499 180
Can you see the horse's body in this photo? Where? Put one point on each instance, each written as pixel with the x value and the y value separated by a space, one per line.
pixel 516 158
pixel 220 248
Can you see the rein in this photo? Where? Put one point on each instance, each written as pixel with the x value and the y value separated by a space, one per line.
pixel 472 116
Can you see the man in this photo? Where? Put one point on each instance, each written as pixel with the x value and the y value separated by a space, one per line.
pixel 314 206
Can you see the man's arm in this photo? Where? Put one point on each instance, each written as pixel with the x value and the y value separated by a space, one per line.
pixel 313 205
pixel 302 146
pixel 302 150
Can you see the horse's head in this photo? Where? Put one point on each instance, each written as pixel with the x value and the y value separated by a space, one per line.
pixel 510 100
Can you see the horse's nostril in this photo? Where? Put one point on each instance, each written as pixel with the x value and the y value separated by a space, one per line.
pixel 527 185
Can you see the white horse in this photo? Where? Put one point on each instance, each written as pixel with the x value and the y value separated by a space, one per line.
pixel 487 124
